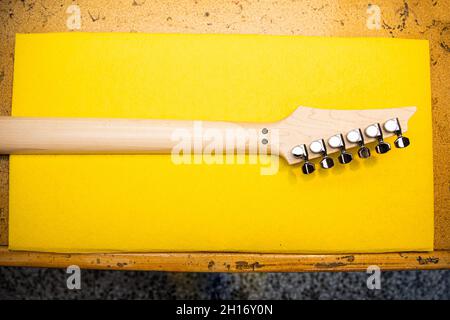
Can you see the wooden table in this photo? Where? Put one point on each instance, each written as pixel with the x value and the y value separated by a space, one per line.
pixel 424 19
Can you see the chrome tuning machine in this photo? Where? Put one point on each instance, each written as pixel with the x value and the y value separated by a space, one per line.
pixel 374 131
pixel 301 152
pixel 337 142
pixel 393 125
pixel 319 147
pixel 356 136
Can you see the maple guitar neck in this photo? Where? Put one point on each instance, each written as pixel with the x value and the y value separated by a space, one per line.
pixel 305 134
pixel 23 135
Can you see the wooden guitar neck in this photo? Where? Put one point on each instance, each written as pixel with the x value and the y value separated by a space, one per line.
pixel 22 135
pixel 306 134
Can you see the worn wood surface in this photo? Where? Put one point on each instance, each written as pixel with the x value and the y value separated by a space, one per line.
pixel 424 19
pixel 229 262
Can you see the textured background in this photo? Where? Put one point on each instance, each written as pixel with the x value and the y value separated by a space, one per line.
pixel 31 283
pixel 427 19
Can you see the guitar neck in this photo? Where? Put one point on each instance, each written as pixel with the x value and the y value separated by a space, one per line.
pixel 23 135
pixel 305 134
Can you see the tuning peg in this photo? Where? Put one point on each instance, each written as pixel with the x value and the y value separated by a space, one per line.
pixel 393 125
pixel 356 136
pixel 319 147
pixel 374 131
pixel 301 151
pixel 337 142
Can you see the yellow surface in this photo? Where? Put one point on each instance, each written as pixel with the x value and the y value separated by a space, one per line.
pixel 147 203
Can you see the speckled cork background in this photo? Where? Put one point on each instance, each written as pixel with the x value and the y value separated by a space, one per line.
pixel 424 19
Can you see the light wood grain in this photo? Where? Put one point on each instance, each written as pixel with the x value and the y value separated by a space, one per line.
pixel 400 19
pixel 229 262
pixel 24 135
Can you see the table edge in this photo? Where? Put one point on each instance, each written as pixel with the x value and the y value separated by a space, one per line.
pixel 229 262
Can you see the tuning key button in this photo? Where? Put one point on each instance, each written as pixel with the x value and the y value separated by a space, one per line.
pixel 356 136
pixel 319 147
pixel 327 162
pixel 382 147
pixel 401 142
pixel 337 142
pixel 308 167
pixel 301 152
pixel 364 152
pixel 393 125
pixel 345 157
pixel 374 131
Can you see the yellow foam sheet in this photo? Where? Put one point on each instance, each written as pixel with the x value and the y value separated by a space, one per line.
pixel 148 203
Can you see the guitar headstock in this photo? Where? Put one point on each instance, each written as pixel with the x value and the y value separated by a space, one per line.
pixel 309 133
